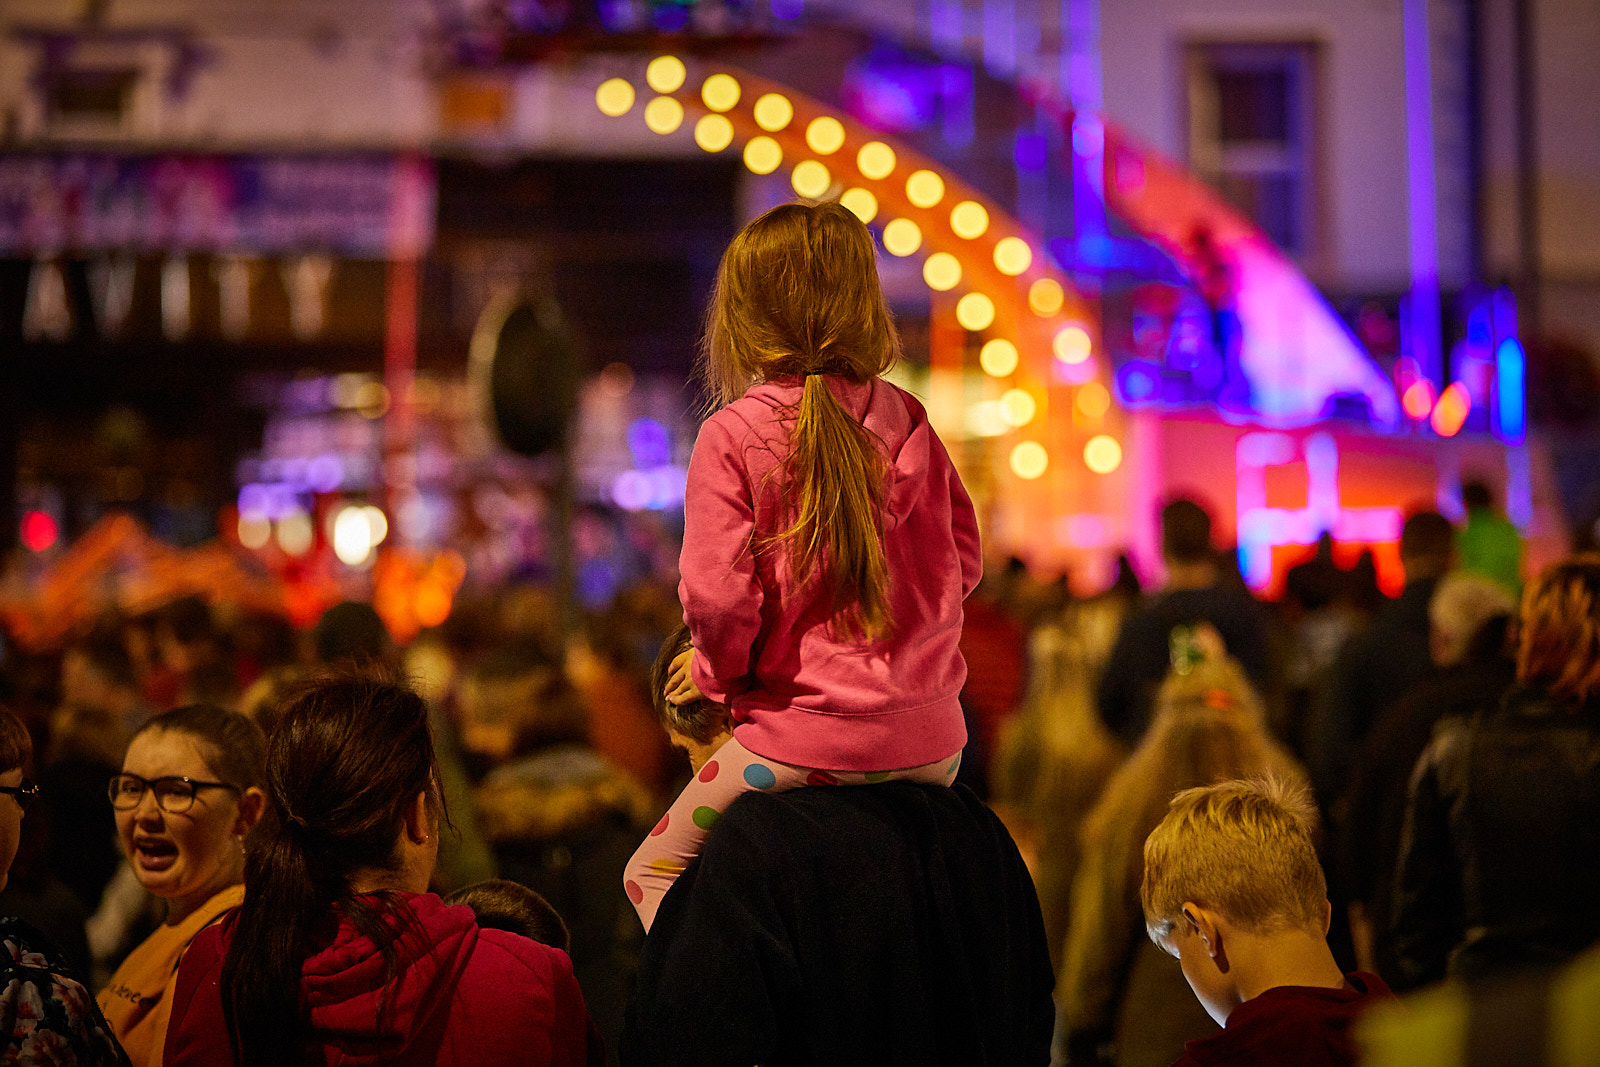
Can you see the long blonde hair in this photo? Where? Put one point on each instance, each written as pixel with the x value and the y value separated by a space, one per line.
pixel 797 295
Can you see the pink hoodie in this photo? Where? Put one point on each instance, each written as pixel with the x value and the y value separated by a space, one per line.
pixel 798 694
pixel 463 996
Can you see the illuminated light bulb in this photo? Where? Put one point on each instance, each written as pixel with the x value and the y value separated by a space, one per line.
pixel 875 160
pixel 1417 400
pixel 720 92
pixel 614 97
pixel 968 219
pixel 295 533
pixel 810 179
pixel 352 536
pixel 1046 296
pixel 901 237
pixel 1018 407
pixel 377 522
pixel 1072 344
pixel 663 114
pixel 975 312
pixel 1094 400
pixel 1102 454
pixel 1012 256
pixel 924 188
pixel 998 357
pixel 773 112
pixel 713 132
pixel 984 419
pixel 942 272
pixel 665 74
pixel 1029 460
pixel 861 203
pixel 763 155
pixel 254 530
pixel 825 135
pixel 1450 413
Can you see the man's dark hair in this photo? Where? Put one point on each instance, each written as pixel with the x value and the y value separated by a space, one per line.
pixel 352 633
pixel 1186 532
pixel 108 656
pixel 1476 494
pixel 189 619
pixel 1427 534
pixel 699 719
pixel 510 906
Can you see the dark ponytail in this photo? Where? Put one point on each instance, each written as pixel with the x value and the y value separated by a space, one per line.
pixel 349 756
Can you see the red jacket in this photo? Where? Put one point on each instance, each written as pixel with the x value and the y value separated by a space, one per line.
pixel 463 996
pixel 799 694
pixel 1300 1025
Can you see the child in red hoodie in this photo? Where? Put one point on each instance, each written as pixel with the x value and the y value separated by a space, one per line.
pixel 828 541
pixel 1232 887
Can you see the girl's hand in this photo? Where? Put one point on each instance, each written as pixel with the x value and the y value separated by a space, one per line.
pixel 680 683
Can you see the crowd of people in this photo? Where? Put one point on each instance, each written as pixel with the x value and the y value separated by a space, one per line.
pixel 258 846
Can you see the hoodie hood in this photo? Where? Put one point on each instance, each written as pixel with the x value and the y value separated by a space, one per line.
pixel 354 1006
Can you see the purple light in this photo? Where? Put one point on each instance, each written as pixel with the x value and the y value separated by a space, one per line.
pixel 1032 151
pixel 649 442
pixel 788 9
pixel 1137 383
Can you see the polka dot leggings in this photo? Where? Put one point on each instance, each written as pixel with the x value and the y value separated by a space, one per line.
pixel 733 770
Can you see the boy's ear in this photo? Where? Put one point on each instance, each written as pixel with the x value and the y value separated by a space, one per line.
pixel 1203 922
pixel 1327 917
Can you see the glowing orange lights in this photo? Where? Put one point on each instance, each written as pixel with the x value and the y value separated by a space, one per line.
pixel 1094 400
pixel 1102 454
pixel 1450 413
pixel 1029 460
pixel 998 357
pixel 1417 400
pixel 39 531
pixel 1072 344
pixel 614 97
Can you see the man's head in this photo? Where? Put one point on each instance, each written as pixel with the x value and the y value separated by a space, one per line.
pixel 1476 495
pixel 1462 605
pixel 1426 545
pixel 1186 533
pixel 1231 860
pixel 697 728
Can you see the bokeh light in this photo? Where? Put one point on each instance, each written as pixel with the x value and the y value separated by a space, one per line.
pixel 861 203
pixel 720 92
pixel 295 533
pixel 665 74
pixel 713 132
pixel 924 188
pixel 614 97
pixel 902 237
pixel 1018 407
pixel 773 112
pixel 810 179
pixel 968 219
pixel 763 155
pixel 1102 454
pixel 1094 400
pixel 875 160
pixel 1012 256
pixel 975 311
pixel 352 536
pixel 1417 400
pixel 942 271
pixel 1046 296
pixel 39 531
pixel 825 135
pixel 1029 460
pixel 1072 344
pixel 1450 413
pixel 255 529
pixel 663 114
pixel 998 357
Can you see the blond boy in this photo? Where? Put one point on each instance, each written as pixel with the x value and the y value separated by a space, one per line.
pixel 1233 889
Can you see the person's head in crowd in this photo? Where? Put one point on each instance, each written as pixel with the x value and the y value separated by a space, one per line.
pixel 517 701
pixel 352 809
pixel 1427 546
pixel 697 728
pixel 186 634
pixel 16 758
pixel 1560 638
pixel 98 672
pixel 510 906
pixel 263 701
pixel 1232 887
pixel 1475 496
pixel 1186 546
pixel 189 793
pixel 86 733
pixel 352 634
pixel 1462 605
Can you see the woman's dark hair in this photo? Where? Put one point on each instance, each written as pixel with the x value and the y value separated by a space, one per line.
pixel 16 745
pixel 345 762
pixel 235 747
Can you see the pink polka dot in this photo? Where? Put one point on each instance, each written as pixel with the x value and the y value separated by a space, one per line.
pixel 661 827
pixel 709 771
pixel 635 894
pixel 821 778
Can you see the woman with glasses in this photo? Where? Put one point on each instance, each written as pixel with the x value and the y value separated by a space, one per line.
pixel 46 1014
pixel 189 792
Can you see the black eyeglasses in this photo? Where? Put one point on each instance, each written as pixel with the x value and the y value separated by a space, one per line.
pixel 174 793
pixel 23 794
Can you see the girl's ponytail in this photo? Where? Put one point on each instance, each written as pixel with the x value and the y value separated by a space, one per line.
pixel 837 474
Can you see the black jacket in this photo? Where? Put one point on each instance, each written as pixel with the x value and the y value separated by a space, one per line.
pixel 1500 853
pixel 887 925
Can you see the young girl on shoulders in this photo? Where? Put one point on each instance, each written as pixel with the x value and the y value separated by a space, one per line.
pixel 828 541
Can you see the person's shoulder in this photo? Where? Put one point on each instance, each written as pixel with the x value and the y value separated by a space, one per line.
pixel 502 955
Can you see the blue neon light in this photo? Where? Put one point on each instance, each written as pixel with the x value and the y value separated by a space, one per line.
pixel 1511 405
pixel 1137 382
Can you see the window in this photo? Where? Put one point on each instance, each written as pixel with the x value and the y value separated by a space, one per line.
pixel 1251 133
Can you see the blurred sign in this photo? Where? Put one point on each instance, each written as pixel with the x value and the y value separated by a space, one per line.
pixel 351 204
